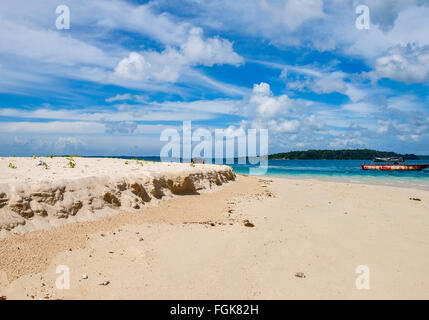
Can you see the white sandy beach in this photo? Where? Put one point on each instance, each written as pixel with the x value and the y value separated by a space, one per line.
pixel 245 240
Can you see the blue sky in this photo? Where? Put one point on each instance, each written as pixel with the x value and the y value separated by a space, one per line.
pixel 126 70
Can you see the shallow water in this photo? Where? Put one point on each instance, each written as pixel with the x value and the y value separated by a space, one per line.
pixel 344 171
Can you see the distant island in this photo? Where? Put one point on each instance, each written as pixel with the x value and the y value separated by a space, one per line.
pixel 346 154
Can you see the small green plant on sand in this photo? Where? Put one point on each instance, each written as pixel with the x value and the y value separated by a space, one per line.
pixel 51 156
pixel 35 157
pixel 126 162
pixel 139 162
pixel 71 164
pixel 192 164
pixel 46 166
pixel 12 166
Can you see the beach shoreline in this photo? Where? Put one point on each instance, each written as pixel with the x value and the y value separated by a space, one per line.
pixel 248 239
pixel 359 180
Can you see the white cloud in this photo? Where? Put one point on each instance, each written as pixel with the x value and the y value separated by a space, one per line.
pixel 296 12
pixel 285 126
pixel 275 20
pixel 385 12
pixel 409 27
pixel 81 128
pixel 49 46
pixel 168 65
pixel 68 143
pixel 28 37
pixel 266 104
pixel 340 143
pixel 209 52
pixel 102 16
pixel 127 96
pixel 127 127
pixel 153 111
pixel 408 64
pixel 317 80
pixel 362 108
pixel 324 83
pixel 409 138
pixel 52 127
pixel 281 115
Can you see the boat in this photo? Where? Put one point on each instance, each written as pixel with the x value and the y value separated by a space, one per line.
pixel 395 166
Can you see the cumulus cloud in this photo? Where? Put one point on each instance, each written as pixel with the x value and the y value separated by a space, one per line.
pixel 410 26
pixel 209 52
pixel 167 66
pixel 408 64
pixel 266 104
pixel 385 12
pixel 320 81
pixel 280 114
pixel 161 67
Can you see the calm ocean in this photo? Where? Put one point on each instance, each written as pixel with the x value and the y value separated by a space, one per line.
pixel 344 171
pixel 337 170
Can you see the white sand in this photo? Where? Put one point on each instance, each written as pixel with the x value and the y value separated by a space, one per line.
pixel 198 247
pixel 42 193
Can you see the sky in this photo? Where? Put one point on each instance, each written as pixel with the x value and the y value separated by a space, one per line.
pixel 127 70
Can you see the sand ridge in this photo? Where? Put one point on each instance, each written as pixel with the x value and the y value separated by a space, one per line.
pixel 41 193
pixel 31 252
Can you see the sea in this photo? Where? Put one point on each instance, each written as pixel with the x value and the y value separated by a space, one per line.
pixel 349 171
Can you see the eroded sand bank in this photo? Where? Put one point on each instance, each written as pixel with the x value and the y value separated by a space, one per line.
pixel 41 193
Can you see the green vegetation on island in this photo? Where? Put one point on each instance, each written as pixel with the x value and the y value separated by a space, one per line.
pixel 346 154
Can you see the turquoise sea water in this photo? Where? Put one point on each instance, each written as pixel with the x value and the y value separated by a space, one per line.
pixel 337 170
pixel 343 171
